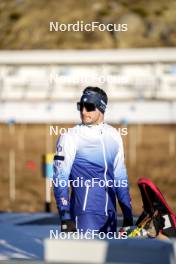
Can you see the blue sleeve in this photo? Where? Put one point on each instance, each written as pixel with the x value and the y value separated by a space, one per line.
pixel 63 160
pixel 122 191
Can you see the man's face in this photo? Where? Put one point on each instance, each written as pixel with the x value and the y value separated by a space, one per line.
pixel 91 117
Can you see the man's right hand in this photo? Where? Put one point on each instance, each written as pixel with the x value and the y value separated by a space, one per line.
pixel 68 226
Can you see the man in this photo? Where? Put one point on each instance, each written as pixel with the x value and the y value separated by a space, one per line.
pixel 92 155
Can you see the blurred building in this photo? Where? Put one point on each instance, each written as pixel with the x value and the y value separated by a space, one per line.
pixel 48 83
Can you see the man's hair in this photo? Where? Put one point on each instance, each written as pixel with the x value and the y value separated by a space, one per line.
pixel 97 90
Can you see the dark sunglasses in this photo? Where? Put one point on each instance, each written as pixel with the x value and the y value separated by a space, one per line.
pixel 88 106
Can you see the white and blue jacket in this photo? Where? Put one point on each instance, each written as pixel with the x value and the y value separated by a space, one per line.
pixel 86 154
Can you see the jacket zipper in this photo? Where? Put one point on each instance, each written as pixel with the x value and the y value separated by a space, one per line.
pixel 85 198
pixel 105 172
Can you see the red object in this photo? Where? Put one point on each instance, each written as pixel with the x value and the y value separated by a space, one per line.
pixel 153 199
pixel 31 165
